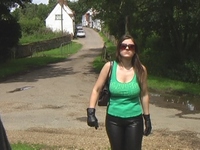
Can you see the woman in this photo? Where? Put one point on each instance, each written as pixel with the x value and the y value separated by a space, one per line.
pixel 129 101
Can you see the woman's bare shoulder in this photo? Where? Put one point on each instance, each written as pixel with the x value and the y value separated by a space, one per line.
pixel 107 65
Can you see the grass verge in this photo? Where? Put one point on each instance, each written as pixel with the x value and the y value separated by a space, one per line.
pixel 40 59
pixel 24 146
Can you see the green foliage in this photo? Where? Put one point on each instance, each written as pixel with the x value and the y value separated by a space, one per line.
pixel 190 72
pixel 175 24
pixel 39 35
pixel 14 3
pixel 10 34
pixel 160 61
pixel 80 8
pixel 10 30
pixel 29 26
pixel 32 17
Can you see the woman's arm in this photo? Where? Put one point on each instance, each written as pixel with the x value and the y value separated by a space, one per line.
pixel 144 94
pixel 99 85
pixel 145 105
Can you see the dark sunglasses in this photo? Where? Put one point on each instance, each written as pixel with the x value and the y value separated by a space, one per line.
pixel 130 46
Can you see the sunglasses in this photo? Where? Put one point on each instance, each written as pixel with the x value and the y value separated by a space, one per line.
pixel 130 46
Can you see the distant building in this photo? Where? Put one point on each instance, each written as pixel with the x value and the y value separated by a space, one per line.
pixel 88 21
pixel 61 18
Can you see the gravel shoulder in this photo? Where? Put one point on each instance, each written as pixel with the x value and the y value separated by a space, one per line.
pixel 53 110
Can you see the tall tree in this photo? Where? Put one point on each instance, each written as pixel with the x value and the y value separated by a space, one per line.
pixel 79 8
pixel 176 22
pixel 10 30
pixel 117 15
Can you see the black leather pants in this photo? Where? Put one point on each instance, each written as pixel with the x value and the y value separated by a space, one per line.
pixel 4 143
pixel 125 133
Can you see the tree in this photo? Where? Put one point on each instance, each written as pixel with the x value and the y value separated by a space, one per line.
pixel 168 29
pixel 117 15
pixel 10 30
pixel 175 24
pixel 80 8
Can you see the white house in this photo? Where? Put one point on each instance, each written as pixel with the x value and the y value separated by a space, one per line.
pixel 87 20
pixel 61 19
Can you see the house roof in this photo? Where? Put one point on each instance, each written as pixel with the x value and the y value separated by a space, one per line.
pixel 68 10
pixel 65 9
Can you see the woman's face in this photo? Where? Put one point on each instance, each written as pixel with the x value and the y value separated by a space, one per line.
pixel 127 48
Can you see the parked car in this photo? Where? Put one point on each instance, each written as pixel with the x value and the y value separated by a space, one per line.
pixel 79 27
pixel 80 33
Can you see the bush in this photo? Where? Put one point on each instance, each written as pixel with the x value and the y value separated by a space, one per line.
pixel 161 60
pixel 29 26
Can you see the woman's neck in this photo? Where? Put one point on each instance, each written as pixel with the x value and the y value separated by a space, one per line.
pixel 126 64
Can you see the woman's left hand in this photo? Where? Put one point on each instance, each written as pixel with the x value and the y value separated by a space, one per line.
pixel 147 122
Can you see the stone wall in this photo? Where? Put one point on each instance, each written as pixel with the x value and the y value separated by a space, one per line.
pixel 28 49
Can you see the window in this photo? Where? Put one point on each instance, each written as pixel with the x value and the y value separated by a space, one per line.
pixel 58 17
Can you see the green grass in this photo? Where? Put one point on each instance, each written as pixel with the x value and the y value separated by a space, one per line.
pixel 163 84
pixel 28 146
pixel 39 59
pixel 25 146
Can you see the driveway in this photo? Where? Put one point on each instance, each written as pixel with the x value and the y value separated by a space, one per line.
pixel 51 109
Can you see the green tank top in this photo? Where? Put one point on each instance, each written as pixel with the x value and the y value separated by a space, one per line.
pixel 124 99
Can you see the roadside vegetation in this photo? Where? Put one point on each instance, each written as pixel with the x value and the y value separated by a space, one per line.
pixel 40 59
pixel 155 83
pixel 24 146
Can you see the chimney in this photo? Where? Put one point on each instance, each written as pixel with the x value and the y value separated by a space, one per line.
pixel 61 2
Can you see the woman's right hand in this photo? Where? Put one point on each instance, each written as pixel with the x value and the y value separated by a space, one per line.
pixel 91 118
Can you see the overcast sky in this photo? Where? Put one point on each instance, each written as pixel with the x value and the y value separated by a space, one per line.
pixel 40 1
pixel 46 1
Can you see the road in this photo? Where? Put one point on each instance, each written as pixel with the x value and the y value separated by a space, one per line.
pixel 52 108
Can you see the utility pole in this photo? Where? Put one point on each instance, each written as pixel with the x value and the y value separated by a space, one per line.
pixel 62 16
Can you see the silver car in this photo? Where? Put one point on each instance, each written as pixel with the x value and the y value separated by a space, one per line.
pixel 80 33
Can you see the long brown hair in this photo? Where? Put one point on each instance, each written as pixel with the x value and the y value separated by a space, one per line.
pixel 136 63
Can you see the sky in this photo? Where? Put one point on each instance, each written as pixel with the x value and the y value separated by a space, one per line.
pixel 44 1
pixel 40 1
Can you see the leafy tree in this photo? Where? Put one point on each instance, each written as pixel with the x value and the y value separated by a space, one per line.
pixel 29 26
pixel 52 4
pixel 14 3
pixel 80 8
pixel 10 30
pixel 32 17
pixel 175 24
pixel 117 15
pixel 165 29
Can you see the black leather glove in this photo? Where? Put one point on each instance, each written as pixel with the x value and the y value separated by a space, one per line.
pixel 147 122
pixel 91 118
